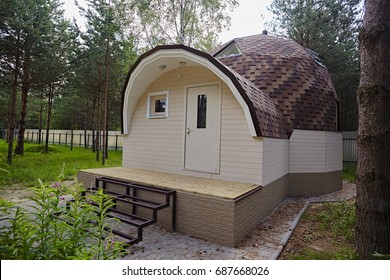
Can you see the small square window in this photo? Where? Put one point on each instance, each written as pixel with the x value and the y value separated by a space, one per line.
pixel 157 105
pixel 230 50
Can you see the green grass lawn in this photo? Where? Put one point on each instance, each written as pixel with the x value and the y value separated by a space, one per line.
pixel 26 170
pixel 349 172
pixel 34 165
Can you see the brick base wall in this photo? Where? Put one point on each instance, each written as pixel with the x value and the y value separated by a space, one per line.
pixel 255 208
pixel 228 221
pixel 224 221
pixel 314 183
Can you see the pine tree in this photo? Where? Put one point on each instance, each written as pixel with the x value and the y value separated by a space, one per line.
pixel 107 45
pixel 330 28
pixel 373 173
pixel 25 30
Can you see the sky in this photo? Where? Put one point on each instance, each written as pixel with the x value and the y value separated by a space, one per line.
pixel 248 19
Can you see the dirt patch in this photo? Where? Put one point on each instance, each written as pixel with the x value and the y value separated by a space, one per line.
pixel 310 240
pixel 276 226
pixel 16 193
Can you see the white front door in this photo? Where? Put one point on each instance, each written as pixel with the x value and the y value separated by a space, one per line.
pixel 202 145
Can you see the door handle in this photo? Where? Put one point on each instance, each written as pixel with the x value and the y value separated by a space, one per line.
pixel 189 130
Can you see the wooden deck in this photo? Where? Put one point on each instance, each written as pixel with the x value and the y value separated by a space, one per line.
pixel 215 210
pixel 183 183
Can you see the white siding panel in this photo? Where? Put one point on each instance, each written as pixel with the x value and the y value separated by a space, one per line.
pixel 334 151
pixel 158 144
pixel 241 154
pixel 307 151
pixel 275 159
pixel 315 151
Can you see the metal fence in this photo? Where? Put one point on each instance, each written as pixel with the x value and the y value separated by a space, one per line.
pixel 83 138
pixel 349 147
pixel 75 138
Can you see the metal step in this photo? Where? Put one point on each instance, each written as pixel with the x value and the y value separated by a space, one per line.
pixel 131 218
pixel 135 200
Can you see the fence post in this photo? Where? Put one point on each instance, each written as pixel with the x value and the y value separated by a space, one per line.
pixel 87 142
pixel 71 140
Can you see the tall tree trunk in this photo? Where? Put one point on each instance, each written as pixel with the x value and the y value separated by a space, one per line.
pixel 48 119
pixel 106 80
pixel 19 149
pixel 85 128
pixel 94 124
pixel 98 116
pixel 71 128
pixel 373 173
pixel 40 120
pixel 106 84
pixel 11 120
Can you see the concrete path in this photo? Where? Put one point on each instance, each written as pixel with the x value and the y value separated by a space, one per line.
pixel 265 242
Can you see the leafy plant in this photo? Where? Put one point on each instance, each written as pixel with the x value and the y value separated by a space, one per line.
pixel 104 247
pixel 54 227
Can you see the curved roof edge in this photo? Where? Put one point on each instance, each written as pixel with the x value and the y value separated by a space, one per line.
pixel 137 81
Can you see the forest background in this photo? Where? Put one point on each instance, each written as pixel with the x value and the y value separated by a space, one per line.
pixel 56 74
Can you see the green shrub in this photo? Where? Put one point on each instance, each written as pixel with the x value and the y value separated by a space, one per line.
pixel 52 228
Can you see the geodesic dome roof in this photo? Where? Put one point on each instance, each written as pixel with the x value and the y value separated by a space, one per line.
pixel 295 78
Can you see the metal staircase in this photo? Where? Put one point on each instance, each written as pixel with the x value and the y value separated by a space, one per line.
pixel 133 206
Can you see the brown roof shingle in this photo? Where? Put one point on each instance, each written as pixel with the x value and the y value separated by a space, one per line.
pixel 270 119
pixel 300 87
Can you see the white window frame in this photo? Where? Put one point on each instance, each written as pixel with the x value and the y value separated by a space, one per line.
pixel 225 52
pixel 150 114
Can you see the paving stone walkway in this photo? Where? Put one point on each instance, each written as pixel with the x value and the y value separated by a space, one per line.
pixel 264 243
